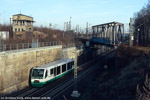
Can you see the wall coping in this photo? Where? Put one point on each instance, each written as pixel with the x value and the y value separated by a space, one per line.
pixel 29 50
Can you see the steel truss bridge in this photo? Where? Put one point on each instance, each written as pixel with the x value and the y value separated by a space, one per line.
pixel 108 33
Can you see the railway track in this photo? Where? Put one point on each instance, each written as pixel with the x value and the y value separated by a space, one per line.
pixel 59 90
pixel 53 90
pixel 54 93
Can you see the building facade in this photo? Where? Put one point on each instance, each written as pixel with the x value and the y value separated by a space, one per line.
pixel 22 25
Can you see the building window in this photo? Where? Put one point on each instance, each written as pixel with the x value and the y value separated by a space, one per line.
pixel 18 29
pixel 22 29
pixel 15 29
pixel 15 22
pixel 22 22
pixel 30 29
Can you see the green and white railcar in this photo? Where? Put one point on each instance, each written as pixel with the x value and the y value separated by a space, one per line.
pixel 49 72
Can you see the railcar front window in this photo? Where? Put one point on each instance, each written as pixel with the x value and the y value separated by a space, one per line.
pixel 38 73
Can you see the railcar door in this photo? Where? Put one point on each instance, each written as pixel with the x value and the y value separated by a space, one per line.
pixel 48 75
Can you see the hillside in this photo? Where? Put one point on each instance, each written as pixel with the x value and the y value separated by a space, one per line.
pixel 125 71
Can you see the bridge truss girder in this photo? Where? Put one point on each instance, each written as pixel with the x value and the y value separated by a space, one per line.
pixel 112 32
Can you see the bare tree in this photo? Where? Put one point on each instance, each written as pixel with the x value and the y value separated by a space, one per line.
pixel 142 26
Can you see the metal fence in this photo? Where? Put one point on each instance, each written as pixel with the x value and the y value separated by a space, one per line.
pixel 68 45
pixel 8 47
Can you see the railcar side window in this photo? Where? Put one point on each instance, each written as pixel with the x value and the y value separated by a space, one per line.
pixel 69 66
pixel 52 71
pixel 58 70
pixel 72 63
pixel 55 71
pixel 64 68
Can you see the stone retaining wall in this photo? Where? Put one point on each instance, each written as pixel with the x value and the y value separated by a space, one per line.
pixel 15 66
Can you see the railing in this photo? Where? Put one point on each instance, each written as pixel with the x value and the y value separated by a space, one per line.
pixel 68 45
pixel 8 47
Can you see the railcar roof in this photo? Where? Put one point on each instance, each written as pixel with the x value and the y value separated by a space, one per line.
pixel 54 63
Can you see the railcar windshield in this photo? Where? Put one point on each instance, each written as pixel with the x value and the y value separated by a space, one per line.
pixel 38 73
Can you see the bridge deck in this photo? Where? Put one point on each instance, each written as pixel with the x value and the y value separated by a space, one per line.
pixel 104 41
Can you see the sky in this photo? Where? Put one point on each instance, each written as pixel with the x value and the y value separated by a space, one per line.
pixel 57 12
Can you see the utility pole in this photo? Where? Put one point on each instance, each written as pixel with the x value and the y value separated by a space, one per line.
pixel 70 24
pixel 64 26
pixel 131 38
pixel 75 93
pixel 87 29
pixel 10 21
pixel 80 30
pixel 76 29
pixel 10 31
pixel 67 26
pixel 138 36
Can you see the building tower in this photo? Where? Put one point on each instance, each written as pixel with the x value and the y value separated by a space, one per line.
pixel 22 26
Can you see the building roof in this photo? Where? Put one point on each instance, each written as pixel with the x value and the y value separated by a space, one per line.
pixel 22 15
pixel 31 18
